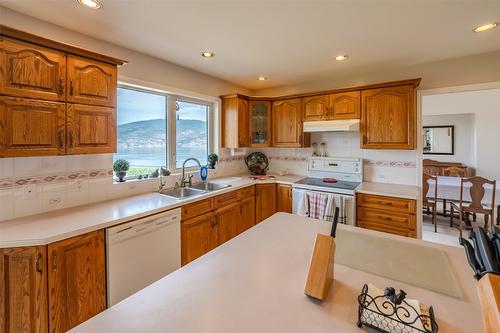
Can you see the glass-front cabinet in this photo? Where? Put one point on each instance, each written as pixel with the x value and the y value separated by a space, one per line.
pixel 260 123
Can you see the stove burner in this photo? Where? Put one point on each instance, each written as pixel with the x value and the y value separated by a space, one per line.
pixel 330 180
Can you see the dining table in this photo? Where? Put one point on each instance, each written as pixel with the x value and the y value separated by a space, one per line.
pixel 449 191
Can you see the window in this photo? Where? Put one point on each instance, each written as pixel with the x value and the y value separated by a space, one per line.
pixel 146 120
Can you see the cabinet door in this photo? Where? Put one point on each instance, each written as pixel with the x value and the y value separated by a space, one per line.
pixel 287 123
pixel 235 122
pixel 31 127
pixel 388 118
pixel 227 219
pixel 91 129
pixel 265 202
pixel 32 71
pixel 23 290
pixel 77 284
pixel 198 236
pixel 345 105
pixel 284 200
pixel 315 108
pixel 91 82
pixel 260 123
pixel 247 212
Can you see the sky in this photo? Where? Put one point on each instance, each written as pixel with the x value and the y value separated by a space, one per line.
pixel 137 105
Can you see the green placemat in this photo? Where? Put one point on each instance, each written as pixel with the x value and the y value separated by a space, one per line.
pixel 419 265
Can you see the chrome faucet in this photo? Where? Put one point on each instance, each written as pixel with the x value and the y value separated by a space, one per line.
pixel 189 180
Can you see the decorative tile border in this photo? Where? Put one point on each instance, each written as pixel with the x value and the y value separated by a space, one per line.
pixel 390 164
pixel 16 182
pixel 269 157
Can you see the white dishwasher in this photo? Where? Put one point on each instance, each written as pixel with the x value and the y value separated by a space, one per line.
pixel 141 252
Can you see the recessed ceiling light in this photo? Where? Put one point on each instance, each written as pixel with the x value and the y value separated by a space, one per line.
pixel 341 57
pixel 262 78
pixel 486 27
pixel 94 4
pixel 207 54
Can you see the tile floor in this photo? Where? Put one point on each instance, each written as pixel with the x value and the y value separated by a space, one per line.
pixel 444 235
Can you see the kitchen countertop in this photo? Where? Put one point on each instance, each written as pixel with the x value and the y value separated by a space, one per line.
pixel 46 228
pixel 255 283
pixel 390 190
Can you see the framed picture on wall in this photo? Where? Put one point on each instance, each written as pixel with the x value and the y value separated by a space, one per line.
pixel 439 140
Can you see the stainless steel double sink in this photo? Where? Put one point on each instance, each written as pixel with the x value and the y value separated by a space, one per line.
pixel 195 190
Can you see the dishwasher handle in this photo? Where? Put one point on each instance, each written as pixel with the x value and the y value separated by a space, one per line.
pixel 140 228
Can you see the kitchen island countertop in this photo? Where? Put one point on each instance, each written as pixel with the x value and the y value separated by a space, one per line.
pixel 255 283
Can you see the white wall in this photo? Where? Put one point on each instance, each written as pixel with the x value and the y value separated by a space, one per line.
pixel 485 105
pixel 465 145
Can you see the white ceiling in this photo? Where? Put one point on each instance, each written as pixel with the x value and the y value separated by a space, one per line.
pixel 287 41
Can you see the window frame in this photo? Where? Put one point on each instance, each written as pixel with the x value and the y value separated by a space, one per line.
pixel 170 116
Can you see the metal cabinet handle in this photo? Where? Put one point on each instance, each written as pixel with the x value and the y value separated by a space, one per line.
pixel 385 203
pixel 61 142
pixel 71 90
pixel 54 261
pixel 384 218
pixel 37 263
pixel 70 139
pixel 61 88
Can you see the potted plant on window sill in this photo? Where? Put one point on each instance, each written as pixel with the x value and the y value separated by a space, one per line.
pixel 120 167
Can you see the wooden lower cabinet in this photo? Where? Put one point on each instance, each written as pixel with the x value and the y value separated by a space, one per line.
pixel 198 236
pixel 265 201
pixel 23 290
pixel 76 280
pixel 226 221
pixel 247 211
pixel 284 198
pixel 387 214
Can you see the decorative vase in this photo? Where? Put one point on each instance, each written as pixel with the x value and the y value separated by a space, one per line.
pixel 121 176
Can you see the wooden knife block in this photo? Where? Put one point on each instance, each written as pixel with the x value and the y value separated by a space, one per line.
pixel 488 290
pixel 320 275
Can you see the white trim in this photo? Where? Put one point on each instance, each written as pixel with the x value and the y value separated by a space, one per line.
pixel 456 89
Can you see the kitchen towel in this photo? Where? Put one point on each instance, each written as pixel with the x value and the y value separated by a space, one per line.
pixel 317 204
pixel 302 203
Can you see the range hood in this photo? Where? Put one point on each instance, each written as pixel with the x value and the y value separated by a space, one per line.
pixel 332 125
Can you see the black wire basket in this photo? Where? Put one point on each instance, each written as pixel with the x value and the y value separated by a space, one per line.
pixel 384 314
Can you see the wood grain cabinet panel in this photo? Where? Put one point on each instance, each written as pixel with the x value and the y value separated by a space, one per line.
pixel 23 290
pixel 198 236
pixel 197 208
pixel 265 201
pixel 388 118
pixel 287 123
pixel 29 70
pixel 31 127
pixel 91 129
pixel 345 105
pixel 284 198
pixel 247 214
pixel 91 82
pixel 260 123
pixel 315 108
pixel 226 221
pixel 76 280
pixel 235 122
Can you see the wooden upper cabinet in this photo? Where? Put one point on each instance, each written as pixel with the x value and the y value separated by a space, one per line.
pixel 31 127
pixel 316 107
pixel 284 198
pixel 23 290
pixel 198 236
pixel 76 279
pixel 227 219
pixel 265 201
pixel 345 105
pixel 91 129
pixel 388 118
pixel 31 71
pixel 287 123
pixel 260 123
pixel 235 122
pixel 91 82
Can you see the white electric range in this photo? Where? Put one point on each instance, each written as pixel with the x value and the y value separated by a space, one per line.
pixel 337 176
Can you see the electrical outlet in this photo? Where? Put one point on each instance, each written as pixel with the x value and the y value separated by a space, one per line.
pixel 77 185
pixel 29 191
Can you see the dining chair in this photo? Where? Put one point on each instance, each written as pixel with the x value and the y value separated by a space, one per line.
pixel 475 205
pixel 430 201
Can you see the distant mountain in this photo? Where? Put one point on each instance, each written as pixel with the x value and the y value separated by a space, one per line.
pixel 151 133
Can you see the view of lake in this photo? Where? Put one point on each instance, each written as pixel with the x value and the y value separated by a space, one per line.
pixel 155 157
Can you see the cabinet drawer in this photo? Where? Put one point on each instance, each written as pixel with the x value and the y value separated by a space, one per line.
pixel 197 208
pixel 385 217
pixel 388 229
pixel 247 192
pixel 386 203
pixel 227 198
